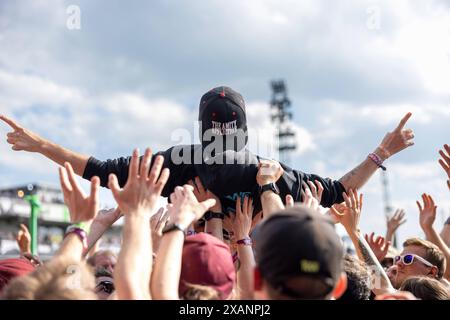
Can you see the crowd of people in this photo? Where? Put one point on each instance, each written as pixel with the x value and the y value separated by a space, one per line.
pixel 250 228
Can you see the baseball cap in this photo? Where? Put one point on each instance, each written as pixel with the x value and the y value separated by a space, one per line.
pixel 223 119
pixel 299 242
pixel 11 268
pixel 207 261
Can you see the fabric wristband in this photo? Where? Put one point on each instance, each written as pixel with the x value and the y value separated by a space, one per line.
pixel 246 241
pixel 82 234
pixel 375 158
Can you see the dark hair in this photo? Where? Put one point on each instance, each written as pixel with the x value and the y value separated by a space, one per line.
pixel 358 279
pixel 426 288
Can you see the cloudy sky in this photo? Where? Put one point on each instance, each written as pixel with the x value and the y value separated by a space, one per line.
pixel 133 72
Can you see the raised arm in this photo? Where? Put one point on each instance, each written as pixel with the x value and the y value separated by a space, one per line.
pixel 214 217
pixel 23 139
pixel 427 216
pixel 348 215
pixel 82 210
pixel 184 210
pixel 241 227
pixel 269 172
pixel 393 223
pixel 137 200
pixel 392 143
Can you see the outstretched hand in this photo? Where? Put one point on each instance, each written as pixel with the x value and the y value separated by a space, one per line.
pixel 82 208
pixel 379 246
pixel 349 212
pixel 23 239
pixel 427 213
pixel 185 208
pixel 445 162
pixel 397 140
pixel 395 221
pixel 143 188
pixel 21 138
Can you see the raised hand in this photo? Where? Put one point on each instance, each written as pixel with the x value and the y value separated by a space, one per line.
pixel 242 221
pixel 143 188
pixel 269 172
pixel 185 208
pixel 427 213
pixel 289 201
pixel 82 208
pixel 21 138
pixel 397 140
pixel 445 162
pixel 396 220
pixel 157 223
pixel 379 246
pixel 23 239
pixel 348 213
pixel 202 194
pixel 311 196
pixel 107 217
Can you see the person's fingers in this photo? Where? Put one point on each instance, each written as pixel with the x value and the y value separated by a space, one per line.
pixel 401 215
pixel 379 241
pixel 173 198
pixel 192 184
pixel 113 184
pixel 10 122
pixel 155 170
pixel 420 207
pixel 94 196
pixel 372 235
pixel 402 222
pixel 444 165
pixel 72 179
pixel 207 204
pixel 447 148
pixel 336 213
pixel 403 121
pixel 238 206
pixel 289 201
pixel 199 185
pixel 179 192
pixel 312 188
pixel 431 200
pixel 163 178
pixel 134 165
pixel 250 207
pixel 361 197
pixel 425 201
pixel 319 190
pixel 355 198
pixel 347 200
pixel 366 236
pixel 23 228
pixel 303 195
pixel 65 185
pixel 145 163
pixel 445 156
pixel 448 184
pixel 408 134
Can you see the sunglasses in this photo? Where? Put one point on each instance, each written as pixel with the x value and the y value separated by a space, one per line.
pixel 105 286
pixel 408 259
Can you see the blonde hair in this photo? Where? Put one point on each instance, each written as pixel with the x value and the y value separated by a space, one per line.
pixel 199 292
pixel 433 254
pixel 59 279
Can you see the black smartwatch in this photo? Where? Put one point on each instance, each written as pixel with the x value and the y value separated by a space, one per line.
pixel 214 215
pixel 173 227
pixel 270 186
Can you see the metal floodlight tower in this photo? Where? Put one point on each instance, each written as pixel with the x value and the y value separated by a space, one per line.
pixel 387 201
pixel 280 115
